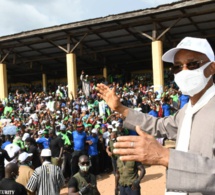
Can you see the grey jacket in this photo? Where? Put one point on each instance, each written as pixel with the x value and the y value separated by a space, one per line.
pixel 192 172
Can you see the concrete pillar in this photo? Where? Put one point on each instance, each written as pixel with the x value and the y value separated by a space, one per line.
pixel 157 64
pixel 105 73
pixel 3 81
pixel 44 82
pixel 71 74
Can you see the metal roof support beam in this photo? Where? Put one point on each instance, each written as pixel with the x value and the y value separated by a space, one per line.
pixel 76 45
pixel 60 47
pixel 2 60
pixel 165 31
pixel 146 35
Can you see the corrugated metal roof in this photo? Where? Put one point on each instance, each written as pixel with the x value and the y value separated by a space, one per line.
pixel 115 40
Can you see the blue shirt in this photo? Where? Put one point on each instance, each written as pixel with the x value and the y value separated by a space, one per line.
pixel 92 149
pixel 153 113
pixel 166 109
pixel 183 100
pixel 79 140
pixel 44 141
pixel 5 144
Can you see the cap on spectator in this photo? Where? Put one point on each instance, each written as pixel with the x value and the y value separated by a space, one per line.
pixel 113 122
pixel 94 131
pixel 62 127
pixel 46 153
pixel 97 126
pixel 40 132
pixel 117 124
pixel 193 44
pixel 110 127
pixel 58 112
pixel 23 156
pixel 25 136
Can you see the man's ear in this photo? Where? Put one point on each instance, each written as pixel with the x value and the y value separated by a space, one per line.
pixel 212 67
pixel 210 70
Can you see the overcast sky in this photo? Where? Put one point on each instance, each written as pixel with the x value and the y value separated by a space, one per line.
pixel 23 15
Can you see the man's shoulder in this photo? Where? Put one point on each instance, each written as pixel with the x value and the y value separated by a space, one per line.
pixel 5 183
pixel 24 167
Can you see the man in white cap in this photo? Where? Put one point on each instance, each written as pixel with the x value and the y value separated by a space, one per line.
pixel 191 166
pixel 47 179
pixel 25 169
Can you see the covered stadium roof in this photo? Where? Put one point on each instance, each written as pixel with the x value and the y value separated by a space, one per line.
pixel 121 41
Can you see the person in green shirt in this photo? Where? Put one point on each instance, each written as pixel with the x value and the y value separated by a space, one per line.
pixel 8 110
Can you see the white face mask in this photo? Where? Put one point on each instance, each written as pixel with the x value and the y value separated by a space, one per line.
pixel 191 82
pixel 84 168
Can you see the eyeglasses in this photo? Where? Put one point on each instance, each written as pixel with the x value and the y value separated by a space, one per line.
pixel 85 163
pixel 190 66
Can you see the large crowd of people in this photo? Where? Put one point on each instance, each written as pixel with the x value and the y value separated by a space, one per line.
pixel 33 121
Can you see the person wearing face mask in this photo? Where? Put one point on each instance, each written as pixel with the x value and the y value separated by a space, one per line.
pixel 190 168
pixel 8 185
pixel 25 167
pixel 83 182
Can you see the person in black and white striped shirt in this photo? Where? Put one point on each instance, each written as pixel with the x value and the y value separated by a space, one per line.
pixel 47 179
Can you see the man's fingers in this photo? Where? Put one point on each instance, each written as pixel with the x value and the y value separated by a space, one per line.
pixel 127 139
pixel 125 151
pixel 129 158
pixel 127 144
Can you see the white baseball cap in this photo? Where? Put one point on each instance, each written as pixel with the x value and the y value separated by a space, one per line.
pixel 25 136
pixel 62 127
pixel 193 44
pixel 40 132
pixel 46 152
pixel 23 156
pixel 94 131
